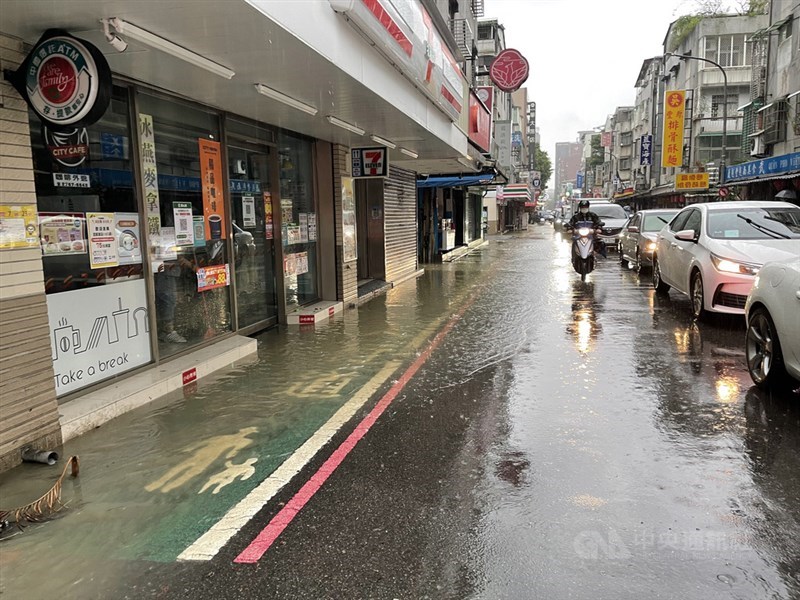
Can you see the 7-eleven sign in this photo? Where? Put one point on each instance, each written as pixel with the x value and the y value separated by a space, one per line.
pixel 369 162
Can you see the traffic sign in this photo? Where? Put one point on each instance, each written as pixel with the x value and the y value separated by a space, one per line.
pixel 723 192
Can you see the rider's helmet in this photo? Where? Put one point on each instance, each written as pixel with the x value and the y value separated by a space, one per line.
pixel 583 206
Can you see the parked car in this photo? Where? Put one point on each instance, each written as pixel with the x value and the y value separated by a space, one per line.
pixel 772 343
pixel 614 219
pixel 713 251
pixel 637 242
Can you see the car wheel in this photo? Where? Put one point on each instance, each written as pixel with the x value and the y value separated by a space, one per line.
pixel 697 297
pixel 763 351
pixel 658 283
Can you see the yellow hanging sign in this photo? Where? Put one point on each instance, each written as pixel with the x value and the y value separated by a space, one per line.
pixel 672 139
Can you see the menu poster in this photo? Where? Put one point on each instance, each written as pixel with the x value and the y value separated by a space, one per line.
pixel 62 233
pixel 213 199
pixel 290 265
pixel 18 226
pixel 128 238
pixel 248 211
pixel 287 212
pixel 184 225
pixel 312 227
pixel 303 218
pixel 268 232
pixel 293 235
pixel 199 231
pixel 103 249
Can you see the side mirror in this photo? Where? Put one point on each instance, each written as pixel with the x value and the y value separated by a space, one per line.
pixel 633 229
pixel 687 235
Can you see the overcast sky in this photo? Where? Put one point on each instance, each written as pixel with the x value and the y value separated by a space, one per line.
pixel 584 55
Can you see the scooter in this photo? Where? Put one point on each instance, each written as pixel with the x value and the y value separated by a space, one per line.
pixel 583 248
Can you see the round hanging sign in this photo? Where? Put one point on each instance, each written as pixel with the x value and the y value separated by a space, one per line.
pixel 509 70
pixel 66 81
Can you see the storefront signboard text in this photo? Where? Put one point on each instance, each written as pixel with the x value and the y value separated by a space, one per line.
pixel 213 197
pixel 147 153
pixel 369 162
pixel 672 140
pixel 509 70
pixel 70 147
pixel 774 165
pixel 646 150
pixel 74 180
pixel 691 181
pixel 97 333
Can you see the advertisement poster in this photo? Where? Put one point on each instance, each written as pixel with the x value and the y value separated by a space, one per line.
pixel 350 249
pixel 248 211
pixel 128 238
pixel 75 180
pixel 268 232
pixel 199 231
pixel 103 250
pixel 62 233
pixel 312 227
pixel 213 199
pixel 215 276
pixel 287 216
pixel 293 235
pixel 147 153
pixel 303 218
pixel 672 140
pixel 18 226
pixel 97 333
pixel 290 264
pixel 301 262
pixel 164 246
pixel 184 225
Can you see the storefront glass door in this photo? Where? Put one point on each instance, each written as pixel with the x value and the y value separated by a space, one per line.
pixel 253 232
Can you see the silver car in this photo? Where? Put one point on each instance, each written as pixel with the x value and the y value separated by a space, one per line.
pixel 638 238
pixel 613 217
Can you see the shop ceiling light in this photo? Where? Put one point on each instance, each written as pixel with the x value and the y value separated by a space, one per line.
pixel 408 152
pixel 345 125
pixel 153 41
pixel 287 100
pixel 383 141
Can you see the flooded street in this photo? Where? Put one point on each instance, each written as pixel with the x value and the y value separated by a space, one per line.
pixel 559 440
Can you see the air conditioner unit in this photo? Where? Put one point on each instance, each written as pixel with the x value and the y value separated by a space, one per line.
pixel 757 146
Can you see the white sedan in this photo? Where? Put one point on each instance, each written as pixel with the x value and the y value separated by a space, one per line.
pixel 772 344
pixel 712 251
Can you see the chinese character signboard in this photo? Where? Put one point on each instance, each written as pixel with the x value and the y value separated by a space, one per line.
pixel 213 201
pixel 606 139
pixel 691 181
pixel 646 150
pixel 369 162
pixel 147 153
pixel 672 140
pixel 785 163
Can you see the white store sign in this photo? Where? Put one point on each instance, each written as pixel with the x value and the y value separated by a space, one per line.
pixel 97 333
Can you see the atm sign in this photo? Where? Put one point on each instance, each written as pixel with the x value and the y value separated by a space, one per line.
pixel 369 162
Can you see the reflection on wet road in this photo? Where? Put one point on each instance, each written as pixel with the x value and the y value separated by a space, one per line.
pixel 566 440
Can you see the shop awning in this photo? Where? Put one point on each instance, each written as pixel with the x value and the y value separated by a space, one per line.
pixel 453 181
pixel 517 191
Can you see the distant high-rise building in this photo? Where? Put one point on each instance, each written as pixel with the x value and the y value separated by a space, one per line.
pixel 567 164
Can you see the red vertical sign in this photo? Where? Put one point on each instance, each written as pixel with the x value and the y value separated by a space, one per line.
pixel 213 198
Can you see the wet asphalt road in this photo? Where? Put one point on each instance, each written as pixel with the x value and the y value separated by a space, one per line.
pixel 565 440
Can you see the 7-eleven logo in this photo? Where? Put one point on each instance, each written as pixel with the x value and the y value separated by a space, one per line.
pixel 373 161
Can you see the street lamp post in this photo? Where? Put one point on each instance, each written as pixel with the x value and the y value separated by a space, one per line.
pixel 724 157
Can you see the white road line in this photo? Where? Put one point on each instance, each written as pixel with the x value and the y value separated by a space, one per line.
pixel 212 541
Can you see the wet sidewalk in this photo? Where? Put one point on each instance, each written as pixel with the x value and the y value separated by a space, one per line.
pixel 156 479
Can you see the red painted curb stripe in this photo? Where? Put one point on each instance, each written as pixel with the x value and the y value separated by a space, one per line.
pixel 280 521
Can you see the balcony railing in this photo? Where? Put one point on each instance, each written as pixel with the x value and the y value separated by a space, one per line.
pixel 462 32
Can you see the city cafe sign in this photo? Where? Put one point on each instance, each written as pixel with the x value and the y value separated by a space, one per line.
pixel 65 80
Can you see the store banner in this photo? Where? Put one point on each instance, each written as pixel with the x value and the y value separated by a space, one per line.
pixel 97 333
pixel 369 162
pixel 213 197
pixel 646 150
pixel 147 157
pixel 672 140
pixel 691 181
pixel 18 226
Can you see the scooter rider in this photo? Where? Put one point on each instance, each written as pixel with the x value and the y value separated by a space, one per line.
pixel 584 214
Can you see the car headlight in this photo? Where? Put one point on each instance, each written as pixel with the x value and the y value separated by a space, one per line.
pixel 650 246
pixel 731 266
pixel 584 231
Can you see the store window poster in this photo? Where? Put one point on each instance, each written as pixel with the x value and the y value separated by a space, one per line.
pixel 213 199
pixel 62 233
pixel 18 226
pixel 103 249
pixel 129 239
pixel 184 224
pixel 248 211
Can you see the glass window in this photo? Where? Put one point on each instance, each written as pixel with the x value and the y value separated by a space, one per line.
pixel 693 222
pixel 679 221
pixel 90 235
pixel 755 223
pixel 187 221
pixel 298 221
pixel 608 211
pixel 656 222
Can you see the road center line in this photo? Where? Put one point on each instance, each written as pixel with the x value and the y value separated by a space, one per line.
pixel 281 520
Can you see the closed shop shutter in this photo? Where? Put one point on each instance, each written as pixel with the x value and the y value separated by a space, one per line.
pixel 400 223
